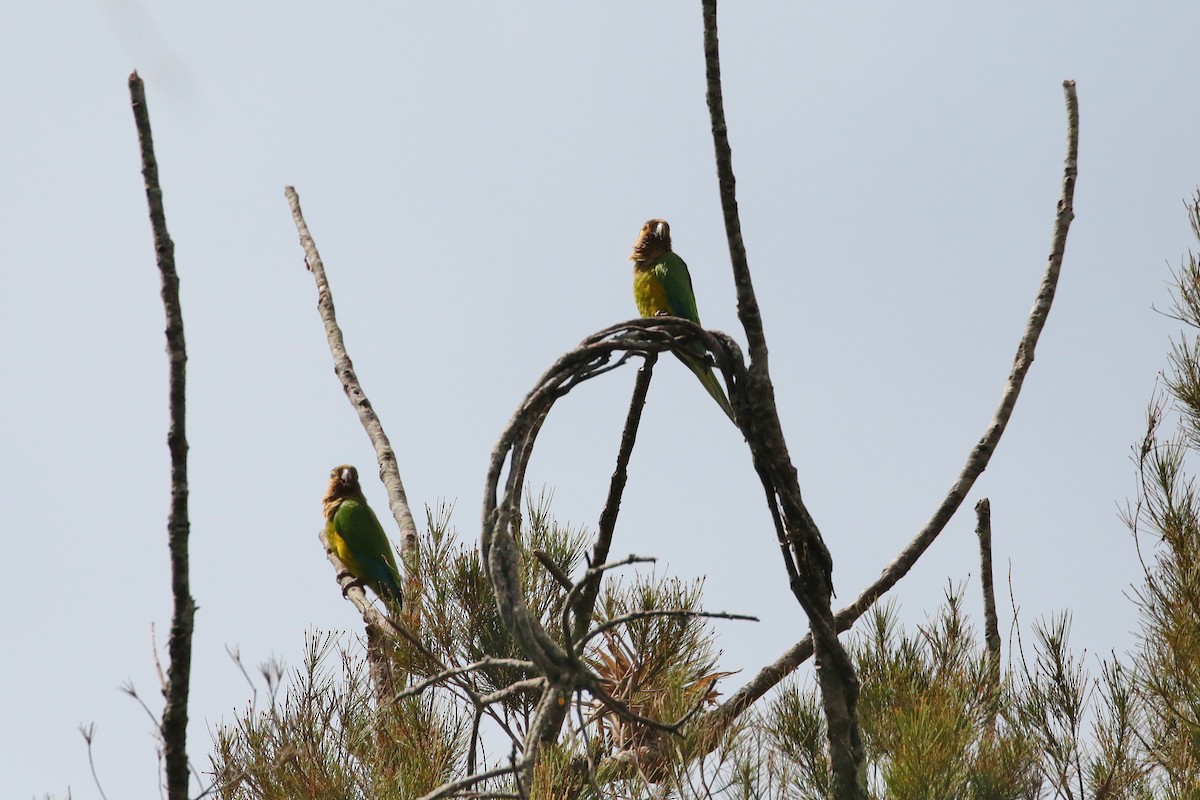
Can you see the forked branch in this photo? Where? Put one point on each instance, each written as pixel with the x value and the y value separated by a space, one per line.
pixel 977 460
pixel 805 556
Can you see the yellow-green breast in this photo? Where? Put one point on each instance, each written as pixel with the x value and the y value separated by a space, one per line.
pixel 648 292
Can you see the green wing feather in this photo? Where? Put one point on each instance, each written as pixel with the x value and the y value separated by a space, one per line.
pixel 676 282
pixel 368 546
pixel 677 285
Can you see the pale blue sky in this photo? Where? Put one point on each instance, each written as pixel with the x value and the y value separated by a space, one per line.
pixel 474 176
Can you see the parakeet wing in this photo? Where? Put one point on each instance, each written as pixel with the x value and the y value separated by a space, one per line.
pixel 677 284
pixel 357 524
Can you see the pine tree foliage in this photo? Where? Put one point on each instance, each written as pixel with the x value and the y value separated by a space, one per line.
pixel 1165 679
pixel 331 736
pixel 328 739
pixel 933 725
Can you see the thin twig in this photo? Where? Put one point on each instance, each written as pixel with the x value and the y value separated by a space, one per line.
pixel 629 715
pixel 476 718
pixel 389 470
pixel 589 754
pixel 158 670
pixel 809 564
pixel 513 688
pixel 623 619
pixel 447 789
pixel 128 688
pixel 447 674
pixel 585 605
pixel 592 577
pixel 89 731
pixel 235 653
pixel 562 578
pixel 179 645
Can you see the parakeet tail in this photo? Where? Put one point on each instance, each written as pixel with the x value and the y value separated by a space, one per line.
pixel 711 383
pixel 390 589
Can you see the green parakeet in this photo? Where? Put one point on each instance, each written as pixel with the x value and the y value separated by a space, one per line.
pixel 662 285
pixel 356 536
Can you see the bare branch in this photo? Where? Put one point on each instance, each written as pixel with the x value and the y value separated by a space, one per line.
pixel 450 672
pixel 747 303
pixel 629 715
pixel 501 516
pixel 89 733
pixel 977 460
pixel 991 623
pixel 448 789
pixel 564 671
pixel 562 578
pixel 179 645
pixel 514 688
pixel 981 454
pixel 586 602
pixel 806 558
pixel 592 578
pixel 616 622
pixel 389 469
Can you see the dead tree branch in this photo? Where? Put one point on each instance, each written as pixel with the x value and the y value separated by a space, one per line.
pixel 991 623
pixel 806 558
pixel 179 646
pixel 623 619
pixel 721 718
pixel 389 469
pixel 586 602
pixel 450 672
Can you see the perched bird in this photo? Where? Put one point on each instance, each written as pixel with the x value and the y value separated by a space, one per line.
pixel 356 536
pixel 662 285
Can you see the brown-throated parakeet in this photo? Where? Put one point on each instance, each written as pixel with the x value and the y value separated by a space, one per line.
pixel 355 535
pixel 662 285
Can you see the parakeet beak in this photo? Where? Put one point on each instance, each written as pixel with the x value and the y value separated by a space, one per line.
pixel 660 230
pixel 346 476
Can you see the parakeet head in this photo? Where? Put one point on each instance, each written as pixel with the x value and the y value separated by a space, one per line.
pixel 653 241
pixel 343 482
